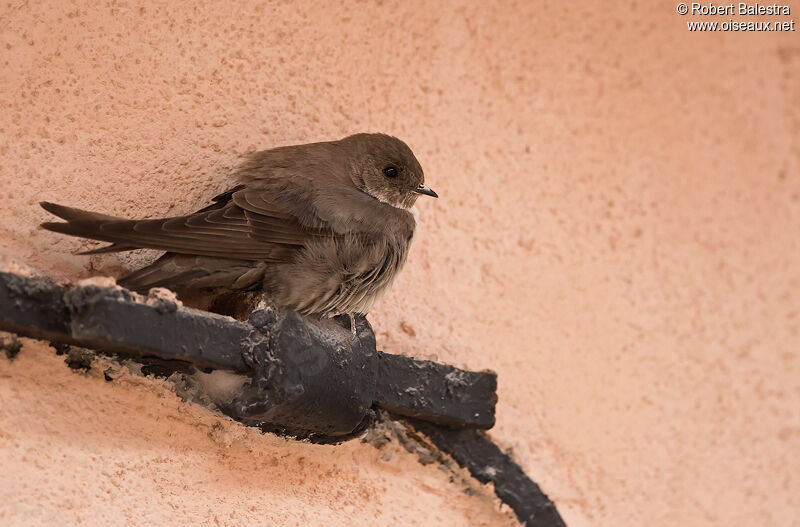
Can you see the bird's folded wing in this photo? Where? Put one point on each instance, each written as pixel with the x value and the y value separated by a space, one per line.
pixel 227 231
pixel 294 205
pixel 333 209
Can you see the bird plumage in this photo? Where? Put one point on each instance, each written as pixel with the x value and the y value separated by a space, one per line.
pixel 320 227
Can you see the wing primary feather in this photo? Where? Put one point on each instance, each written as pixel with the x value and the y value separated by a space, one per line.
pixel 222 230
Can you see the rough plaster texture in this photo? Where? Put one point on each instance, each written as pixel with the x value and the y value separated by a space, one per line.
pixel 618 236
pixel 133 453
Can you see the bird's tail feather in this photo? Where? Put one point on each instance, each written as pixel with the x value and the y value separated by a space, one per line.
pixel 179 271
pixel 82 223
pixel 113 248
pixel 160 274
pixel 72 214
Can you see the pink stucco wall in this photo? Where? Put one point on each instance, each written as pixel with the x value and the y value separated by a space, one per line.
pixel 618 236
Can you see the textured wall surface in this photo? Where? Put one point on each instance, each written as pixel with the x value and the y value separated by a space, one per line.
pixel 618 236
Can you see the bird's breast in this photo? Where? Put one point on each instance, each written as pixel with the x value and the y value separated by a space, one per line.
pixel 340 275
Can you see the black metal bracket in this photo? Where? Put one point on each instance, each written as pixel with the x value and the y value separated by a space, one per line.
pixel 310 378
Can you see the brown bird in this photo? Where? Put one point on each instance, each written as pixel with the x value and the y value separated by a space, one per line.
pixel 322 228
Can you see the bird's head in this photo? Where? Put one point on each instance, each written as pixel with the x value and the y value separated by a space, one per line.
pixel 385 168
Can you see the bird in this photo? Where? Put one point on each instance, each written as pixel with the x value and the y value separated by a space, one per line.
pixel 321 229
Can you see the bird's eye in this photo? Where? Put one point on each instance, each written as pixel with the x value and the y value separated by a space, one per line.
pixel 390 171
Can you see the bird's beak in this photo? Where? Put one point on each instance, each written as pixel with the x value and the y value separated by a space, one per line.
pixel 424 189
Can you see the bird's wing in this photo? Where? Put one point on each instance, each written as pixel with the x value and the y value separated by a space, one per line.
pixel 335 209
pixel 224 230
